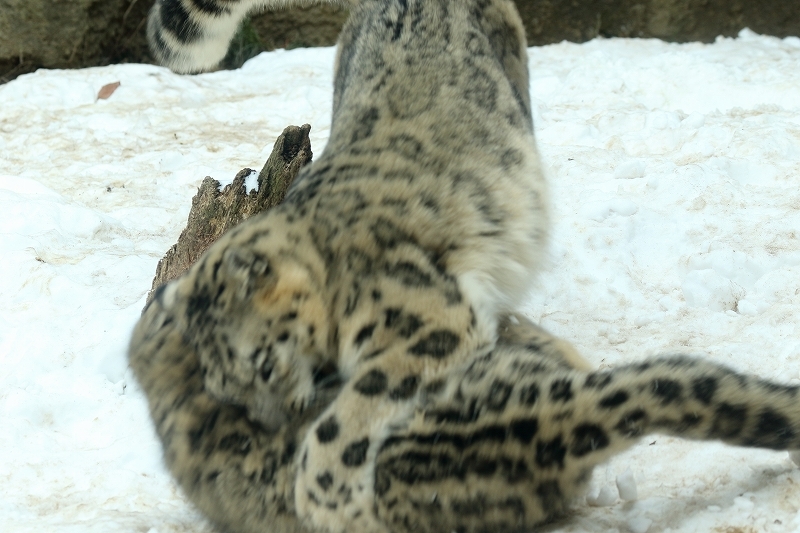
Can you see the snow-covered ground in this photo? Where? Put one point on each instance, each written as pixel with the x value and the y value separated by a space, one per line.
pixel 675 174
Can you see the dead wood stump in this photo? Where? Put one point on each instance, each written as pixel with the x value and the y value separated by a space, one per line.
pixel 214 212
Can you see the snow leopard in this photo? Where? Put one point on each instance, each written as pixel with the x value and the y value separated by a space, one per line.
pixel 191 36
pixel 505 442
pixel 353 335
pixel 394 255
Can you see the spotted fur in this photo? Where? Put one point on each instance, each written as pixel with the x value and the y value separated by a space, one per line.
pixel 504 443
pixel 190 36
pixel 394 254
pixel 392 264
pixel 513 438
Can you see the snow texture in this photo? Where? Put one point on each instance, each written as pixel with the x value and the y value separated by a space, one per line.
pixel 605 497
pixel 626 485
pixel 674 172
pixel 251 182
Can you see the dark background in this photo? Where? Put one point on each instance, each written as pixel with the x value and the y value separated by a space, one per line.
pixel 82 33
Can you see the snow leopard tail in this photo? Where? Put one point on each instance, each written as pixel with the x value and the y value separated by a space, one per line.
pixel 695 399
pixel 514 438
pixel 190 36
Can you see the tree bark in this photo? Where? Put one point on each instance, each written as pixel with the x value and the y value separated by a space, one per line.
pixel 214 212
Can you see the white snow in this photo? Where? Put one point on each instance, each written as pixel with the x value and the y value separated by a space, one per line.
pixel 639 524
pixel 626 485
pixel 251 181
pixel 675 174
pixel 605 497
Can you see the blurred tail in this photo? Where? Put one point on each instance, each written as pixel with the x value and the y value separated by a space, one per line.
pixel 190 36
pixel 516 434
pixel 193 35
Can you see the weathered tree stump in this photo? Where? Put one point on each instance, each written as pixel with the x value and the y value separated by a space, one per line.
pixel 214 212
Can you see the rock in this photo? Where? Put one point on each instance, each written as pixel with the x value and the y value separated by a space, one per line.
pixel 80 33
pixel 214 212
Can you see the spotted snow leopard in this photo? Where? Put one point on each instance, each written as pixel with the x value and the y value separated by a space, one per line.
pixel 347 362
pixel 393 255
pixel 504 443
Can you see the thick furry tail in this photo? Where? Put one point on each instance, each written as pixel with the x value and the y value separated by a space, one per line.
pixel 191 36
pixel 516 436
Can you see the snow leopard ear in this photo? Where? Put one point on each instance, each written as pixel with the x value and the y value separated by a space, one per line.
pixel 244 272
